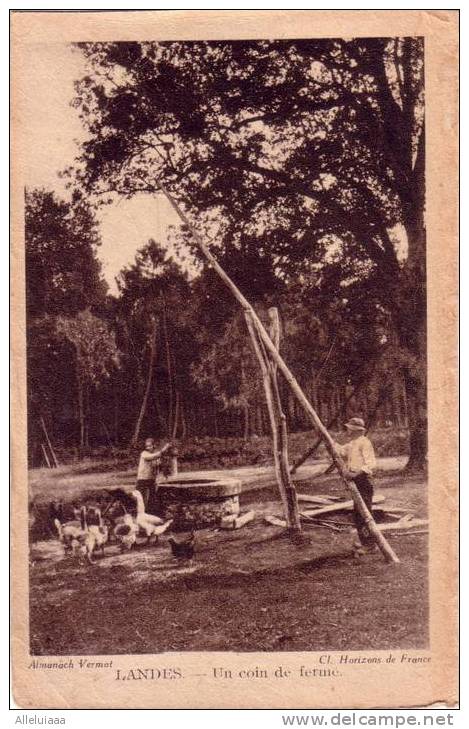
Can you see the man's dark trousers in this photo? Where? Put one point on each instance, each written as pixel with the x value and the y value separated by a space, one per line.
pixel 146 487
pixel 366 488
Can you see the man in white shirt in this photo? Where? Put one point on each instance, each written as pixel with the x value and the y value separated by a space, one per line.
pixel 360 462
pixel 147 469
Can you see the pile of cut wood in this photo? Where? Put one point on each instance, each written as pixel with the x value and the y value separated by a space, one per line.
pixel 332 512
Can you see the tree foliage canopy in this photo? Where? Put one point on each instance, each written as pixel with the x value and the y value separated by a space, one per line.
pixel 94 344
pixel 286 142
pixel 304 157
pixel 63 274
pixel 302 164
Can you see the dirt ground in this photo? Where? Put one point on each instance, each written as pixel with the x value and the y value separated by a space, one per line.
pixel 248 590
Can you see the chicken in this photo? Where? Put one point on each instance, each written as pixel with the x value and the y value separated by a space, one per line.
pixel 183 549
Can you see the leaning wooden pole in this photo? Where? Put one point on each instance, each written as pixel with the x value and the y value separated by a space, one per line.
pixel 382 542
pixel 52 452
pixel 45 455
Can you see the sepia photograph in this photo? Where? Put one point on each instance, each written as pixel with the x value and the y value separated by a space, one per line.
pixel 225 296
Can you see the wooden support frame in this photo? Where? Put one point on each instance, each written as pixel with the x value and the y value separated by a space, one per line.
pixel 275 356
pixel 277 419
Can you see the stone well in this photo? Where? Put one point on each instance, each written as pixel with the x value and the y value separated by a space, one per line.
pixel 197 503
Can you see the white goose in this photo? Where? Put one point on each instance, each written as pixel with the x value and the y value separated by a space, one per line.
pixel 151 525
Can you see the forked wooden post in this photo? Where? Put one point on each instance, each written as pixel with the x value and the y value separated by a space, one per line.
pixel 270 408
pixel 277 423
pixel 382 542
pixel 290 491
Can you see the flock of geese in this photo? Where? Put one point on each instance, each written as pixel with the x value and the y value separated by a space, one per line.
pixel 91 529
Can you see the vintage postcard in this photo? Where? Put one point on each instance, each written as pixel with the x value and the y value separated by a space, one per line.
pixel 234 359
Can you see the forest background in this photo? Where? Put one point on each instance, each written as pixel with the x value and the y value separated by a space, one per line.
pixel 302 164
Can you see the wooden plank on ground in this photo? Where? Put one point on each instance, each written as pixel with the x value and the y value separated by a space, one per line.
pixel 318 498
pixel 401 527
pixel 326 525
pixel 409 532
pixel 403 524
pixel 339 506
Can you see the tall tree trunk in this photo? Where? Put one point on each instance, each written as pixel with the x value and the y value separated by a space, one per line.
pixel 412 334
pixel 106 433
pixel 116 417
pixel 151 366
pixel 169 369
pixel 396 403
pixel 413 319
pixel 87 410
pixel 176 416
pixel 246 420
pixel 81 411
pixel 404 405
pixel 258 420
pixel 417 416
pixel 183 421
pixel 366 405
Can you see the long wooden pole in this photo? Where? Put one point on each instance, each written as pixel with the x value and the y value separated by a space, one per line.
pixel 383 544
pixel 45 455
pixel 54 457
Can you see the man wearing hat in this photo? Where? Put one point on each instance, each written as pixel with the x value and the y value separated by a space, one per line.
pixel 359 456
